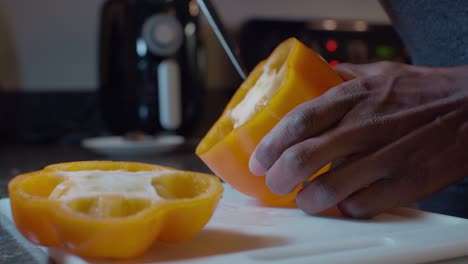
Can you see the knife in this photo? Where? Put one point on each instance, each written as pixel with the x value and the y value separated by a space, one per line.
pixel 230 48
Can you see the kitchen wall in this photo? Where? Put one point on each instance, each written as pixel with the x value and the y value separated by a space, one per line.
pixel 51 44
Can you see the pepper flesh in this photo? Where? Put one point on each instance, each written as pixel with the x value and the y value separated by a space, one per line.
pixel 188 200
pixel 226 148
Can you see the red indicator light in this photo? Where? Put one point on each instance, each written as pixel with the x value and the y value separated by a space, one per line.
pixel 331 45
pixel 333 63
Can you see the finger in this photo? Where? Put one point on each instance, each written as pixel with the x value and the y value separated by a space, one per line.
pixel 347 71
pixel 379 197
pixel 305 121
pixel 369 202
pixel 403 171
pixel 420 163
pixel 332 187
pixel 299 162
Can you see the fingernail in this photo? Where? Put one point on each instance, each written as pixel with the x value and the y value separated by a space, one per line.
pixel 255 167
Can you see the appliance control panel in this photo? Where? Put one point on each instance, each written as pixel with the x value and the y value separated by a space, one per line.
pixel 352 41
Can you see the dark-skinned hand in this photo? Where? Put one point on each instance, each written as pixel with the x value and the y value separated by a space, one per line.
pixel 399 133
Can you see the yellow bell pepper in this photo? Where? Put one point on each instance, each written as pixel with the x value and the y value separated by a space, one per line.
pixel 299 75
pixel 104 209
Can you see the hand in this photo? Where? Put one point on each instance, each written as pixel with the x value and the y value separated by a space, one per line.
pixel 400 132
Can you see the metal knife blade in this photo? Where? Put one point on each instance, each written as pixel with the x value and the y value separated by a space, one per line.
pixel 230 48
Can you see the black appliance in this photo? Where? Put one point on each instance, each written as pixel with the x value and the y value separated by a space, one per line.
pixel 150 65
pixel 336 41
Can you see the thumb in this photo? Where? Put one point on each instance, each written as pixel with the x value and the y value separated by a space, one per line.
pixel 348 71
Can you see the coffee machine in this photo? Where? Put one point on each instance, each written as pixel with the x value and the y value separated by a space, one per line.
pixel 150 65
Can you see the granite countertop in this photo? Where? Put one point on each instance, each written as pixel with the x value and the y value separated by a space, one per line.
pixel 17 159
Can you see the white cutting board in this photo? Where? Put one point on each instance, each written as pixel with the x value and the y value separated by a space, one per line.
pixel 243 232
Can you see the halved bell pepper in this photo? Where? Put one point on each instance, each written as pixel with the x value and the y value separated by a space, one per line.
pixel 291 75
pixel 104 209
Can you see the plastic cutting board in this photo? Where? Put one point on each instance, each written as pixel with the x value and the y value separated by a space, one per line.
pixel 243 232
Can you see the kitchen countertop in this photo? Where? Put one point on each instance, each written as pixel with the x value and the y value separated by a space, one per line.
pixel 34 134
pixel 16 159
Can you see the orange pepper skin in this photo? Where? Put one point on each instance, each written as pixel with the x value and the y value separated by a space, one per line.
pixel 226 150
pixel 189 200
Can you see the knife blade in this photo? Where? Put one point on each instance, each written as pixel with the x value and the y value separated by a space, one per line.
pixel 231 49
